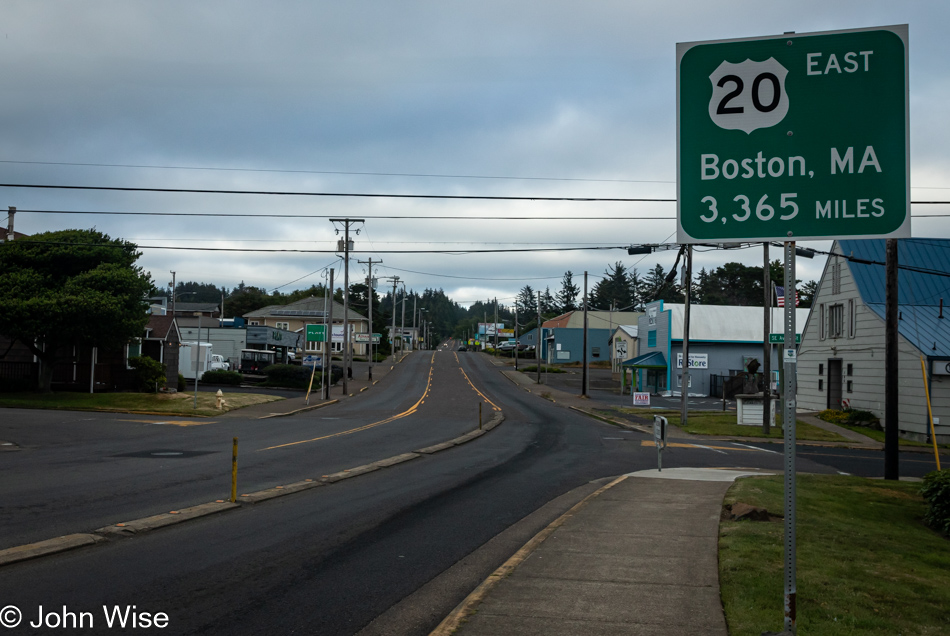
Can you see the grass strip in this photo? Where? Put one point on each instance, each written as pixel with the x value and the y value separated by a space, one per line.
pixel 724 424
pixel 866 563
pixel 164 403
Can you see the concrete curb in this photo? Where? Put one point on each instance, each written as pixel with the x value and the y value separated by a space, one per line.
pixel 469 605
pixel 49 546
pixel 306 408
pixel 154 522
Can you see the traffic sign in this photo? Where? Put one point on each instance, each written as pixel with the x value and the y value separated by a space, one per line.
pixel 316 333
pixel 779 338
pixel 794 137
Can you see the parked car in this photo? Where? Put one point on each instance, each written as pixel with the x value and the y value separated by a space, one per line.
pixel 463 348
pixel 219 363
pixel 506 346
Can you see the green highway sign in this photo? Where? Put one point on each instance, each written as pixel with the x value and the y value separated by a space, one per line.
pixel 316 333
pixel 779 338
pixel 794 137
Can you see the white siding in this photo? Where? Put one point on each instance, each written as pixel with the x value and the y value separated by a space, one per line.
pixel 865 352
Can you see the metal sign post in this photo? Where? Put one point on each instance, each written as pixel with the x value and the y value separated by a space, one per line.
pixel 659 437
pixel 789 414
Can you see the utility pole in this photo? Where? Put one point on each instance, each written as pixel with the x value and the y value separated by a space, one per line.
pixel 766 345
pixel 585 373
pixel 369 294
pixel 684 388
pixel 496 326
pixel 395 280
pixel 516 335
pixel 173 293
pixel 537 346
pixel 12 212
pixel 891 411
pixel 415 332
pixel 346 293
pixel 402 329
pixel 328 346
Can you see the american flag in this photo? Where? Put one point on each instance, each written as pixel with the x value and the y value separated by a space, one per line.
pixel 780 295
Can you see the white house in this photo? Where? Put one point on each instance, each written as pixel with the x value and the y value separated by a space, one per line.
pixel 841 357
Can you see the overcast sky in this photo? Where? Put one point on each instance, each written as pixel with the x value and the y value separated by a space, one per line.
pixel 523 98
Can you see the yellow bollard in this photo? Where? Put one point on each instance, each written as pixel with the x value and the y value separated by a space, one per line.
pixel 234 471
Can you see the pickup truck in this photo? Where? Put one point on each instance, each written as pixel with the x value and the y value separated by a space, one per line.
pixel 219 363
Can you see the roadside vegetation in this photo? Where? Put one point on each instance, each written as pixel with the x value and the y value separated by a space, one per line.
pixel 866 562
pixel 162 403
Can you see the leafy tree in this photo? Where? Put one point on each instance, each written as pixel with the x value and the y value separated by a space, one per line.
pixel 567 297
pixel 71 287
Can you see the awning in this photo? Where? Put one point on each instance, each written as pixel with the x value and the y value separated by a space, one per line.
pixel 652 360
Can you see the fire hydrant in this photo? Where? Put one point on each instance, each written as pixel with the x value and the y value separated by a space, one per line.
pixel 219 400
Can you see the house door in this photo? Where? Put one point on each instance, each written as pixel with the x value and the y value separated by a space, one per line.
pixel 834 384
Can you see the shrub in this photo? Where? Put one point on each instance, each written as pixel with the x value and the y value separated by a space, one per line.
pixel 288 375
pixel 220 376
pixel 936 491
pixel 833 416
pixel 148 373
pixel 181 383
pixel 851 417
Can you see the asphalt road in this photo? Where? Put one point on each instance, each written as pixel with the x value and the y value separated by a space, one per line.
pixel 388 552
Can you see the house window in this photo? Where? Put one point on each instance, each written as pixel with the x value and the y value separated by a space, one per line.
pixel 253 323
pixel 821 321
pixel 850 369
pixel 852 326
pixel 595 352
pixel 336 347
pixel 836 321
pixel 821 368
pixel 850 386
pixel 283 325
pixel 679 381
pixel 314 346
pixel 651 339
pixel 821 384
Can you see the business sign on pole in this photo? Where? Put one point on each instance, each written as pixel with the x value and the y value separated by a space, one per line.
pixel 316 333
pixel 794 137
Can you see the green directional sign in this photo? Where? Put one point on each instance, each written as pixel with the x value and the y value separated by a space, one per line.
pixel 779 338
pixel 316 333
pixel 794 137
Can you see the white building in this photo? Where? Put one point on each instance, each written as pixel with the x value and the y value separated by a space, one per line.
pixel 841 357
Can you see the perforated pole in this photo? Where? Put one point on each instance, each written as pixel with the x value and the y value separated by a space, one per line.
pixel 789 414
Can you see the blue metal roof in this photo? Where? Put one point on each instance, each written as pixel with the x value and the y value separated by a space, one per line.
pixel 919 292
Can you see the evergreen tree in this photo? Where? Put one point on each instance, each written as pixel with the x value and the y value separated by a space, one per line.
pixel 527 301
pixel 567 297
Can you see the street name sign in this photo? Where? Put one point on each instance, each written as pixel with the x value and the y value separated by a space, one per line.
pixel 779 338
pixel 794 137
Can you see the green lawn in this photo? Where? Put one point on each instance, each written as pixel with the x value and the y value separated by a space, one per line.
pixel 878 436
pixel 866 562
pixel 164 403
pixel 724 424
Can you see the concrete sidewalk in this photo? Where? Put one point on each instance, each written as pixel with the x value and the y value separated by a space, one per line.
pixel 639 556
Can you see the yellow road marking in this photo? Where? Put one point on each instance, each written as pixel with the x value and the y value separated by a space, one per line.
pixel 484 397
pixel 173 422
pixel 412 409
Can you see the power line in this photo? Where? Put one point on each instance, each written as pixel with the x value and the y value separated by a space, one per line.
pixel 363 195
pixel 268 215
pixel 332 172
